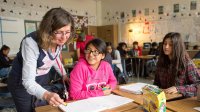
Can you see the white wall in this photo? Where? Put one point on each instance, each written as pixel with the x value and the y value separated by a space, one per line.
pixel 20 10
pixel 187 25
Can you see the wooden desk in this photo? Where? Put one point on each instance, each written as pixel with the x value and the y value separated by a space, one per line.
pixel 140 109
pixel 184 105
pixel 122 108
pixel 139 98
pixel 47 108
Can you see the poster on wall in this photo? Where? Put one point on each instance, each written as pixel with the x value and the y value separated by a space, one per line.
pixel 30 26
pixel 133 13
pixel 146 11
pixel 193 5
pixel 160 10
pixel 176 8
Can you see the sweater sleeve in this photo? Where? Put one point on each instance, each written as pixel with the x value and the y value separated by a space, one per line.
pixel 117 58
pixel 30 54
pixel 111 80
pixel 192 78
pixel 78 77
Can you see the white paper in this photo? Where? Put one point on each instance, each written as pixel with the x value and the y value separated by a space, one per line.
pixel 135 88
pixel 197 108
pixel 95 104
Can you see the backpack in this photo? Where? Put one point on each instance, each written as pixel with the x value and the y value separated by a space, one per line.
pixel 120 76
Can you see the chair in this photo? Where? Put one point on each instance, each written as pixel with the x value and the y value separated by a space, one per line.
pixel 6 100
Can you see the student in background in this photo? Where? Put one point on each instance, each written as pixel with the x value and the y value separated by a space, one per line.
pixel 197 55
pixel 123 49
pixel 176 72
pixel 39 51
pixel 154 49
pixel 82 40
pixel 151 64
pixel 116 58
pixel 137 50
pixel 92 76
pixel 5 61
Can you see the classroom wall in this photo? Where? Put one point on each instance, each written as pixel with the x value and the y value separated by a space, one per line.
pixel 152 27
pixel 14 12
pixel 106 12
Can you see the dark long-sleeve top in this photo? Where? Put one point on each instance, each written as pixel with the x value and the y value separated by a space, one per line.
pixel 154 52
pixel 4 61
pixel 185 82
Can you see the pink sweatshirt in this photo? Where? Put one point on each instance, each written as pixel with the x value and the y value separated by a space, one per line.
pixel 86 82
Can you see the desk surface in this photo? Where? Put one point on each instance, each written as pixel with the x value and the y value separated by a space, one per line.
pixel 184 105
pixel 140 109
pixel 139 98
pixel 139 57
pixel 122 108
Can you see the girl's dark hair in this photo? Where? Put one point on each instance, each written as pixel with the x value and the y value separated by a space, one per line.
pixel 53 20
pixel 4 47
pixel 119 47
pixel 99 44
pixel 179 56
pixel 154 44
pixel 135 43
pixel 113 49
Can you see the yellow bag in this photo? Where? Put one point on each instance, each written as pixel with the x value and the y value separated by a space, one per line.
pixel 154 99
pixel 197 63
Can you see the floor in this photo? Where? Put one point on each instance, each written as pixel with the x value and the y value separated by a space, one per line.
pixel 132 79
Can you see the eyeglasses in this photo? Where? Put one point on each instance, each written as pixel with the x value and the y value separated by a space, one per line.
pixel 61 33
pixel 95 53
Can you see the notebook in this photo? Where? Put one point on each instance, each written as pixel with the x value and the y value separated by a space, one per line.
pixel 135 88
pixel 95 104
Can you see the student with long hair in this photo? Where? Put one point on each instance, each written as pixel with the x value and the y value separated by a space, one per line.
pixel 5 61
pixel 176 72
pixel 39 51
pixel 92 76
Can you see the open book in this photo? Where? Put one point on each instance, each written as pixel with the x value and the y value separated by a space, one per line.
pixel 135 88
pixel 96 104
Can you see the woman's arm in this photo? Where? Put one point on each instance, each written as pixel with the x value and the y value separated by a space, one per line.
pixel 30 53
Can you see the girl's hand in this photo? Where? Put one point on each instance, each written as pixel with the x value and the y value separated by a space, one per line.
pixel 171 90
pixel 53 98
pixel 107 92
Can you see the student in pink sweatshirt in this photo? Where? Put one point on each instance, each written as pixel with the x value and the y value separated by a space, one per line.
pixel 92 76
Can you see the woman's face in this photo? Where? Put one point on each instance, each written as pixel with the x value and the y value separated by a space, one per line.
pixel 61 35
pixel 109 49
pixel 167 47
pixel 93 56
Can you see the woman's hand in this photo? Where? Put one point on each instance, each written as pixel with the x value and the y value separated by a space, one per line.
pixel 53 98
pixel 171 90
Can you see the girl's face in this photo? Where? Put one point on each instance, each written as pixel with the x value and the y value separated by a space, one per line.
pixel 5 52
pixel 167 47
pixel 93 56
pixel 124 47
pixel 61 35
pixel 109 49
pixel 135 46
